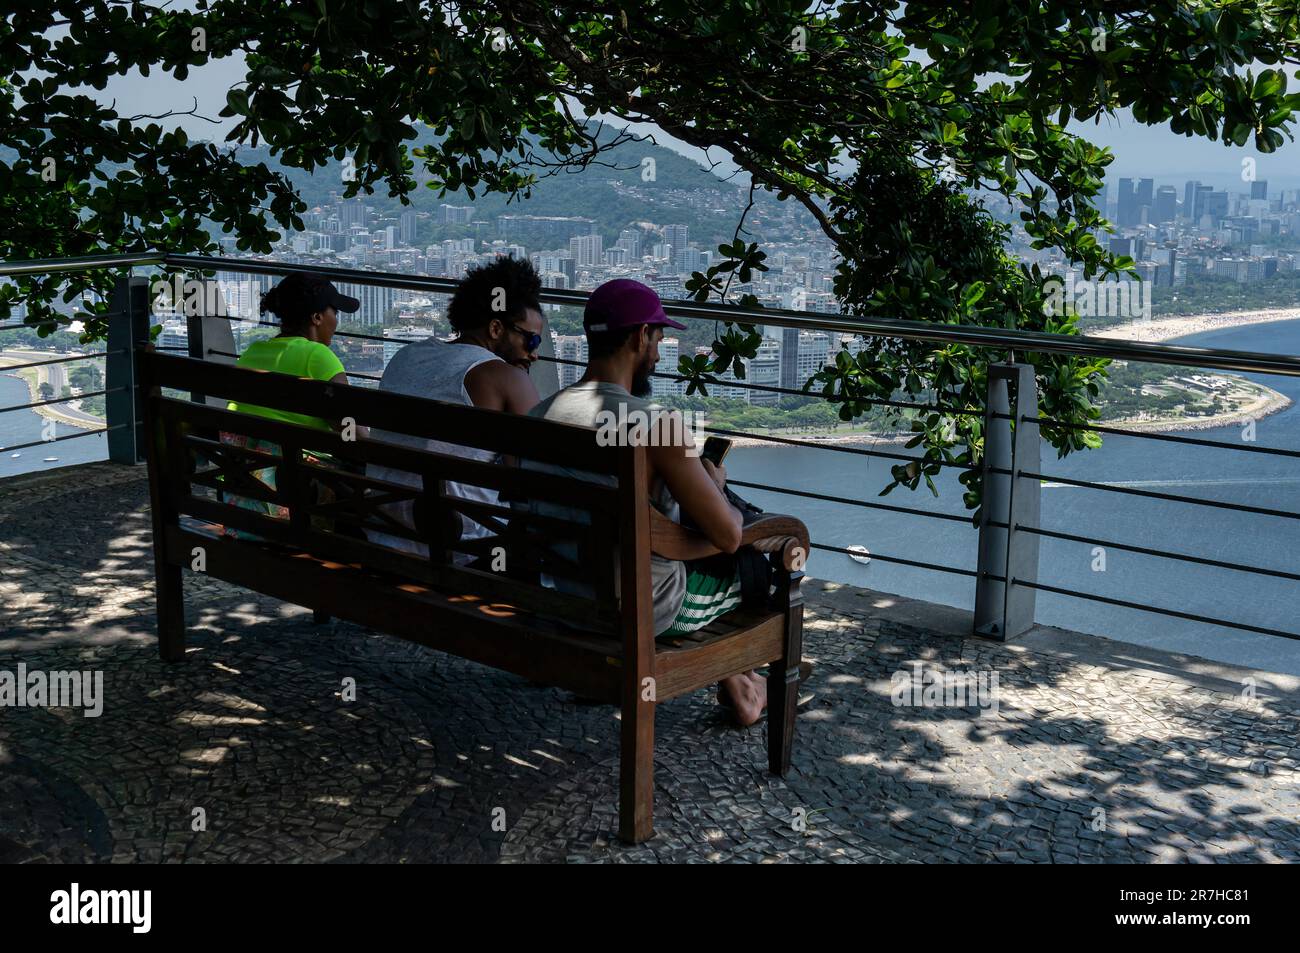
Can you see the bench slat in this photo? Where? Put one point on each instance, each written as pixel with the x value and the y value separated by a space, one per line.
pixel 529 484
pixel 349 551
pixel 467 626
pixel 454 423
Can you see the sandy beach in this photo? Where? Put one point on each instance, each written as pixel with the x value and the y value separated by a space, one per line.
pixel 1153 331
pixel 1176 326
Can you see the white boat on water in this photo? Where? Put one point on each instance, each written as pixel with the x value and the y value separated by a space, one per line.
pixel 18 454
pixel 859 553
pixel 51 459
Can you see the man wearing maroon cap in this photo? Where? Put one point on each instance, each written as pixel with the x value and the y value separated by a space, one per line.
pixel 624 321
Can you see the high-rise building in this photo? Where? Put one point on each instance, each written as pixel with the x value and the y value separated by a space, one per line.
pixel 1166 205
pixel 668 287
pixel 543 231
pixel 765 369
pixel 676 237
pixel 376 302
pixel 690 260
pixel 1199 200
pixel 1145 196
pixel 556 261
pixel 789 355
pixel 586 250
pixel 669 352
pixel 1126 209
pixel 571 347
pixel 1189 199
pixel 1259 189
pixel 455 214
pixel 408 225
pixel 630 239
pixel 814 351
pixel 353 212
pixel 1215 205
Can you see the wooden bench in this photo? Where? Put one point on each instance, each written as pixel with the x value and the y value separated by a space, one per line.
pixel 601 647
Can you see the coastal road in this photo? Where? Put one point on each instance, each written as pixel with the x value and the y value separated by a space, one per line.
pixel 56 375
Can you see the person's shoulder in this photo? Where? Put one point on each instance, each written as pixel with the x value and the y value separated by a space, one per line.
pixel 321 361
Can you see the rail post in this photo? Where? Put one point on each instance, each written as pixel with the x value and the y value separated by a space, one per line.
pixel 128 330
pixel 1008 556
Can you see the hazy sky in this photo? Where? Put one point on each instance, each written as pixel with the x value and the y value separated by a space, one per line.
pixel 1140 151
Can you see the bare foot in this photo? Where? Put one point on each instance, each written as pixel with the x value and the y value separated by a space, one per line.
pixel 747 695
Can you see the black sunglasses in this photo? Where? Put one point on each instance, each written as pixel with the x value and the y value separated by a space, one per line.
pixel 533 340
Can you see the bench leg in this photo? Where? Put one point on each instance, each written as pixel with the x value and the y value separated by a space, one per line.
pixel 171 613
pixel 783 678
pixel 636 769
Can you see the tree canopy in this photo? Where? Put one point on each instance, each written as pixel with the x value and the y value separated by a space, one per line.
pixel 886 121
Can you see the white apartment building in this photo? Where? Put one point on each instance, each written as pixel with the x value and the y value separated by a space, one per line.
pixel 570 347
pixel 669 351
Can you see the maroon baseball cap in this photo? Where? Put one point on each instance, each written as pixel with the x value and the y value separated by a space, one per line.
pixel 624 303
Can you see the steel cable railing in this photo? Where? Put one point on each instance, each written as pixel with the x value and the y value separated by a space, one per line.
pixel 998 340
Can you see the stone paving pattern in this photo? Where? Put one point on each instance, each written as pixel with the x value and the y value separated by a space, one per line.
pixel 253 729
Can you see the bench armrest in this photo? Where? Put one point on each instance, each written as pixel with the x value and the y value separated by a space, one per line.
pixel 674 541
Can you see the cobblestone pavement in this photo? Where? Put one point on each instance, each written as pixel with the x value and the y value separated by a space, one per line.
pixel 1078 762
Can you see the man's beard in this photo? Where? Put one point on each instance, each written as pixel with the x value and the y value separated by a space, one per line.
pixel 641 381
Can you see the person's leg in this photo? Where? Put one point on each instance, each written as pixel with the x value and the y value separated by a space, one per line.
pixel 746 697
pixel 709 595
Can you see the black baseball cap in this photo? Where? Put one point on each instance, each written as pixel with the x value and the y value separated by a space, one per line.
pixel 305 294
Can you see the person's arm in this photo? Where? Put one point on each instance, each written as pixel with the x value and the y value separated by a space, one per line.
pixel 496 385
pixel 696 485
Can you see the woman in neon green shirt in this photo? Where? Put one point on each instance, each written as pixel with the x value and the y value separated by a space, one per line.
pixel 307 306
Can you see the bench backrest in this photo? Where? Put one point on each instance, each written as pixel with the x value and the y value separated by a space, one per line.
pixel 196 469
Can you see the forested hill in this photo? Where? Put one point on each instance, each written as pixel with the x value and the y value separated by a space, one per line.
pixel 612 192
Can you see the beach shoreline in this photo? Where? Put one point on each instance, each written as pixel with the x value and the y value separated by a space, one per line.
pixel 1156 330
pixel 1170 327
pixel 49 411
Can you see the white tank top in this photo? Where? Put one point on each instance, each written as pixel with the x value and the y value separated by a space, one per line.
pixel 436 370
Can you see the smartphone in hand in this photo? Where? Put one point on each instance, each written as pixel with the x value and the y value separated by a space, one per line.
pixel 715 450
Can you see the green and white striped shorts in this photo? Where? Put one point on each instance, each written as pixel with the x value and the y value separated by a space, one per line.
pixel 708 596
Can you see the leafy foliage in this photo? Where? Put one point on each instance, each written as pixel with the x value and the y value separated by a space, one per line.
pixel 885 120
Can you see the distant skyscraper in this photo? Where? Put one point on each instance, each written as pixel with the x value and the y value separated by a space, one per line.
pixel 1259 189
pixel 1146 193
pixel 790 358
pixel 1166 205
pixel 376 302
pixel 1198 201
pixel 352 212
pixel 765 369
pixel 630 239
pixel 1214 204
pixel 675 235
pixel 669 351
pixel 571 347
pixel 455 214
pixel 408 226
pixel 1126 205
pixel 1189 199
pixel 586 250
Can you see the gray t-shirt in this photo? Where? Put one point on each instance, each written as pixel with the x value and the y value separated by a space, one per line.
pixel 435 370
pixel 589 404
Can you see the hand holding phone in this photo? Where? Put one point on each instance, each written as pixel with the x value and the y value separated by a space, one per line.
pixel 716 450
